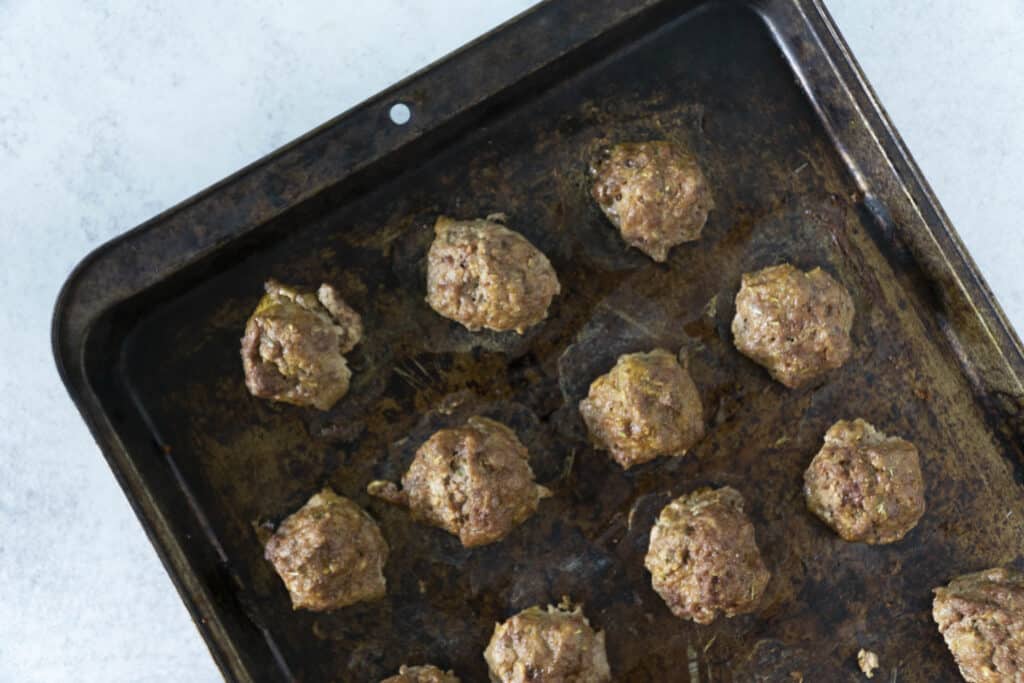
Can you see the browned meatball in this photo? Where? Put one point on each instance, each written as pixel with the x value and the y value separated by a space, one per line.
pixel 865 485
pixel 422 674
pixel 795 324
pixel 654 193
pixel 703 556
pixel 646 406
pixel 474 481
pixel 329 554
pixel 482 274
pixel 294 343
pixel 981 616
pixel 553 646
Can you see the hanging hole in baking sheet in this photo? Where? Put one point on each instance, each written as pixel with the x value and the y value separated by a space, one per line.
pixel 400 113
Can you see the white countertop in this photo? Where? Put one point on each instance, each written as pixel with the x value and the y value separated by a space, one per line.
pixel 108 116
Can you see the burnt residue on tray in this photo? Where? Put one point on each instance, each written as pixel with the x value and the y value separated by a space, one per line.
pixel 716 83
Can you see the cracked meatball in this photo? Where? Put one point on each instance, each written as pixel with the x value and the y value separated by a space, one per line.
pixel 483 275
pixel 981 616
pixel 329 554
pixel 865 485
pixel 795 324
pixel 703 556
pixel 553 646
pixel 474 482
pixel 654 193
pixel 646 406
pixel 422 674
pixel 294 345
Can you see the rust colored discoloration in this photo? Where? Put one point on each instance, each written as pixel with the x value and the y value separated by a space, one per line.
pixel 330 554
pixel 865 485
pixel 703 556
pixel 981 617
pixel 655 193
pixel 556 645
pixel 646 406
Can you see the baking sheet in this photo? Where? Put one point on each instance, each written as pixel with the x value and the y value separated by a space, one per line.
pixel 793 179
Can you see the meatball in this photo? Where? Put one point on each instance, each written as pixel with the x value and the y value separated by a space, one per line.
pixel 553 646
pixel 981 616
pixel 294 343
pixel 654 193
pixel 329 554
pixel 422 674
pixel 481 274
pixel 646 406
pixel 703 556
pixel 865 485
pixel 474 482
pixel 795 324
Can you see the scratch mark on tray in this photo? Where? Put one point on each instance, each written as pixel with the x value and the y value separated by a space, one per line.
pixel 629 319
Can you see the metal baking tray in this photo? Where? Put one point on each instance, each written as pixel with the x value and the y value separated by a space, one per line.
pixel 805 167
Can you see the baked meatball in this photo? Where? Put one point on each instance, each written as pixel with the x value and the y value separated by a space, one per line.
pixel 294 343
pixel 981 616
pixel 422 674
pixel 481 274
pixel 646 406
pixel 474 482
pixel 655 194
pixel 865 485
pixel 795 324
pixel 703 556
pixel 329 554
pixel 556 645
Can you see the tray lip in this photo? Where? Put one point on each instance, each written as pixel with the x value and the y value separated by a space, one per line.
pixel 68 344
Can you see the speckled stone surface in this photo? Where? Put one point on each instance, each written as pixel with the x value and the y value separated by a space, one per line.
pixel 111 112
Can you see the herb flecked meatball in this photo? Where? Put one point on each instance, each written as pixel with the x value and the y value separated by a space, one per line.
pixel 795 324
pixel 556 645
pixel 294 345
pixel 422 674
pixel 329 553
pixel 981 617
pixel 646 406
pixel 654 193
pixel 483 275
pixel 865 485
pixel 703 556
pixel 473 481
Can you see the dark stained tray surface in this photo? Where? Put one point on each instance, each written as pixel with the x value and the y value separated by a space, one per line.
pixel 804 169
